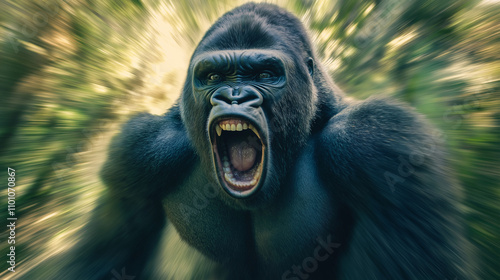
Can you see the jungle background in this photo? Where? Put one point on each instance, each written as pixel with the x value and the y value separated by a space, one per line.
pixel 72 71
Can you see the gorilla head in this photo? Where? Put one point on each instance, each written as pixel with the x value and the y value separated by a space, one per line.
pixel 250 84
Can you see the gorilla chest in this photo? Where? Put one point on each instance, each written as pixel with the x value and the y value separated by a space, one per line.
pixel 279 235
pixel 288 230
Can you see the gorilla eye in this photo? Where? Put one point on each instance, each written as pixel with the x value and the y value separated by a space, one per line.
pixel 264 75
pixel 214 77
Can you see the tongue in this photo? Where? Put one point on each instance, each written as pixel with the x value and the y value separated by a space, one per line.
pixel 242 155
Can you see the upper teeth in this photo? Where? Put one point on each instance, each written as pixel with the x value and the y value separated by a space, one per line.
pixel 234 125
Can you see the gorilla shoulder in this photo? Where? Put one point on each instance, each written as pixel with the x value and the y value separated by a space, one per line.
pixel 149 149
pixel 377 136
pixel 387 165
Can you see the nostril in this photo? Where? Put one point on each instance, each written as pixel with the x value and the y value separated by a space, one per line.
pixel 237 95
pixel 219 98
pixel 250 97
pixel 246 98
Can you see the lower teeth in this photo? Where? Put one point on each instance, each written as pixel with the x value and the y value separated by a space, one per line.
pixel 229 178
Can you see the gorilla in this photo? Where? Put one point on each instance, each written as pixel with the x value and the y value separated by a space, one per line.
pixel 269 171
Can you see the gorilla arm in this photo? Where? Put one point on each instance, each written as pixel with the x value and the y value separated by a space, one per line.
pixel 151 154
pixel 391 174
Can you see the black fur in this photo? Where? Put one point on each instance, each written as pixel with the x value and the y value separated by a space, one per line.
pixel 353 189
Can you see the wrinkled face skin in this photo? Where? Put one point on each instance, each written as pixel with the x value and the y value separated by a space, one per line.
pixel 248 104
pixel 249 119
pixel 237 83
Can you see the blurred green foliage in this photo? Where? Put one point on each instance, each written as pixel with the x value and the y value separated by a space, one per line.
pixel 72 70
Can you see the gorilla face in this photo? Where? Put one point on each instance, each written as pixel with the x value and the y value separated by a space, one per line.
pixel 248 104
pixel 240 85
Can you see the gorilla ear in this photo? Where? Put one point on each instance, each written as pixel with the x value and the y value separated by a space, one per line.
pixel 310 65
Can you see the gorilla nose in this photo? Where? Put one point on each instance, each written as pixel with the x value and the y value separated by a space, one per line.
pixel 246 96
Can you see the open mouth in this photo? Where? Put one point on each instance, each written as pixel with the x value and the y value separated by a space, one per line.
pixel 239 153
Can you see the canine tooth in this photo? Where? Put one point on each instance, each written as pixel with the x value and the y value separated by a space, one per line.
pixel 245 126
pixel 233 127
pixel 250 126
pixel 228 127
pixel 219 130
pixel 239 127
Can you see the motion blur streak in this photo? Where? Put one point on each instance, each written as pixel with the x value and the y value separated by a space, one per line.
pixel 72 70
